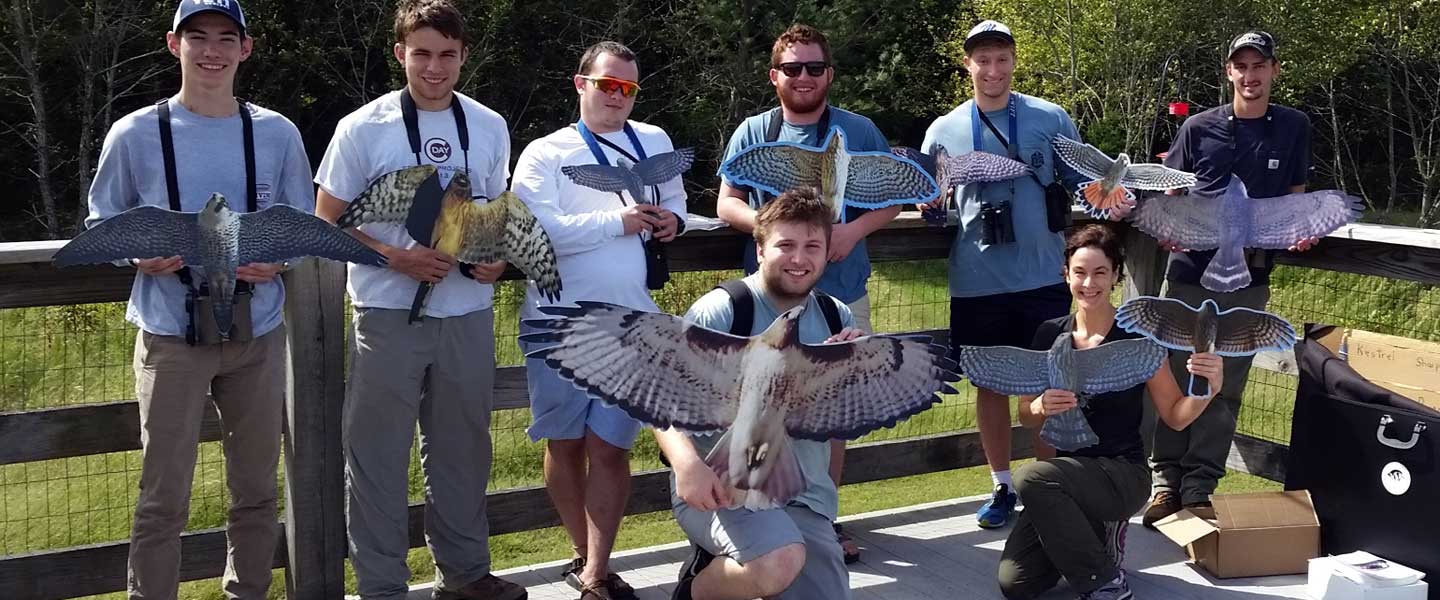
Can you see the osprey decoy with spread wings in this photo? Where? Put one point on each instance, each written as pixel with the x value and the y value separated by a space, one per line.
pixel 216 239
pixel 864 179
pixel 1109 367
pixel 762 390
pixel 970 167
pixel 1113 178
pixel 1176 325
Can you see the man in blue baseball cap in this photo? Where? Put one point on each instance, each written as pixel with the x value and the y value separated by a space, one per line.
pixel 190 8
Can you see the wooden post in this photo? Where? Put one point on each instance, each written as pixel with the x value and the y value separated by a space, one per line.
pixel 314 464
pixel 1145 264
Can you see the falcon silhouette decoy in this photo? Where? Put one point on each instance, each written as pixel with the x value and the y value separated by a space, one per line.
pixel 763 390
pixel 1114 178
pixel 970 167
pixel 864 179
pixel 1176 325
pixel 501 229
pixel 1232 221
pixel 1109 367
pixel 217 240
pixel 633 178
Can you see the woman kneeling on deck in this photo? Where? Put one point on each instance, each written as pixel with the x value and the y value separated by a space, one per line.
pixel 1076 505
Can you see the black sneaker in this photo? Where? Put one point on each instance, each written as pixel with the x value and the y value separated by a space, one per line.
pixel 689 570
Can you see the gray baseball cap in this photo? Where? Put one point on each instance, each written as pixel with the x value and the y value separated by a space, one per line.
pixel 988 30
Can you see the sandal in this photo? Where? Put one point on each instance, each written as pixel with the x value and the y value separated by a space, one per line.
pixel 847 545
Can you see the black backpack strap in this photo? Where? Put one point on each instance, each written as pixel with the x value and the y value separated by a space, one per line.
pixel 742 303
pixel 830 307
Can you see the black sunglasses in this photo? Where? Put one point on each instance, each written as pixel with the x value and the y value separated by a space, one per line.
pixel 815 69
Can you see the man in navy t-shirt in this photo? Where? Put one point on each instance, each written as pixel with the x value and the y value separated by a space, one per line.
pixel 1268 147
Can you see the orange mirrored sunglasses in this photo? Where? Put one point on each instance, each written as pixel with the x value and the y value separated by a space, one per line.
pixel 609 85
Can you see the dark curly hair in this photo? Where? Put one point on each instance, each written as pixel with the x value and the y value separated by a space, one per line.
pixel 1101 237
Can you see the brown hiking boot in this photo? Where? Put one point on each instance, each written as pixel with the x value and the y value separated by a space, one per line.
pixel 488 587
pixel 1166 503
pixel 1203 509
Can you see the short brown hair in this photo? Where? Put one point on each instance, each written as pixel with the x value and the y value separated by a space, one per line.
pixel 440 15
pixel 592 54
pixel 993 42
pixel 798 33
pixel 800 205
pixel 1100 237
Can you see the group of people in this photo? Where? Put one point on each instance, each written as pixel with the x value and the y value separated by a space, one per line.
pixel 1013 290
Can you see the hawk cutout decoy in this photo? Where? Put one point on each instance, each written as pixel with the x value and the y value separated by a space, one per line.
pixel 864 179
pixel 1232 221
pixel 1178 326
pixel 763 390
pixel 501 229
pixel 216 239
pixel 970 167
pixel 1114 178
pixel 633 178
pixel 1109 367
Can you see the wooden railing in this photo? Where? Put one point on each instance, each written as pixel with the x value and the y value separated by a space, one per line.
pixel 313 548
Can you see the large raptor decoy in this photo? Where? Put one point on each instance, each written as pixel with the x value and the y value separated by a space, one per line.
pixel 1233 221
pixel 216 239
pixel 970 167
pixel 1109 367
pixel 763 390
pixel 1114 178
pixel 633 178
pixel 1176 325
pixel 864 179
pixel 501 229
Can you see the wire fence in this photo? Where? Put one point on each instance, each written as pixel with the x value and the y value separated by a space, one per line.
pixel 63 356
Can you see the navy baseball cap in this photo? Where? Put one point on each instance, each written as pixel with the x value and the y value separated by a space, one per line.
pixel 1262 42
pixel 190 8
pixel 988 30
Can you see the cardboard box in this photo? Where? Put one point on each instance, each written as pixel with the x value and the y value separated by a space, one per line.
pixel 1267 533
pixel 1407 367
pixel 1326 581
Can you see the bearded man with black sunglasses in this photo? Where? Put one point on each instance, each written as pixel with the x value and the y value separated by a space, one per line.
pixel 801 71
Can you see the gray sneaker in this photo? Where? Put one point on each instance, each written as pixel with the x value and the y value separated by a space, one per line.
pixel 1116 589
pixel 488 587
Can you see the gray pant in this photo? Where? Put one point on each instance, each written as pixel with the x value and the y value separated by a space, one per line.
pixel 745 535
pixel 247 381
pixel 1067 527
pixel 441 372
pixel 1192 461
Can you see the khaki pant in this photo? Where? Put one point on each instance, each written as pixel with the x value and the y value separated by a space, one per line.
pixel 247 381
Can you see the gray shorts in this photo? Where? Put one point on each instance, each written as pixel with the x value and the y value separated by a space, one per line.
pixel 745 535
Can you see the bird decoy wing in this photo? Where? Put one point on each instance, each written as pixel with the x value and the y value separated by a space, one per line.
pixel 1082 157
pixel 880 179
pixel 141 232
pixel 388 199
pixel 605 178
pixel 1005 369
pixel 661 168
pixel 1277 223
pixel 851 388
pixel 1119 365
pixel 657 367
pixel 774 167
pixel 974 167
pixel 1245 331
pixel 280 233
pixel 1156 177
pixel 505 229
pixel 1191 220
pixel 1166 321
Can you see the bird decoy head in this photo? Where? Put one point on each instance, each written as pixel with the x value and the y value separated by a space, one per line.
pixel 216 203
pixel 835 141
pixel 785 331
pixel 459 184
pixel 1123 159
pixel 1209 308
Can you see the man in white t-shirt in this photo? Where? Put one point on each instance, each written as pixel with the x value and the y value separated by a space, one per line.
pixel 440 370
pixel 598 241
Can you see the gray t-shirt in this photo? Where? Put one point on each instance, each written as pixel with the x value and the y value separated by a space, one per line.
pixel 714 310
pixel 209 157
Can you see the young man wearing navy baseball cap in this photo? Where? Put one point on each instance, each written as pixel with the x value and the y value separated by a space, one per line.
pixel 211 142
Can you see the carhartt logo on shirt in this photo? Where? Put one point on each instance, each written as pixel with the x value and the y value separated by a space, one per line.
pixel 437 149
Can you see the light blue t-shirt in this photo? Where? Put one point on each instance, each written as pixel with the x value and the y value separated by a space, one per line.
pixel 1034 259
pixel 209 157
pixel 713 310
pixel 846 279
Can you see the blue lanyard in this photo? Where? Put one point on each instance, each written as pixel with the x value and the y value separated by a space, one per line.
pixel 977 136
pixel 594 145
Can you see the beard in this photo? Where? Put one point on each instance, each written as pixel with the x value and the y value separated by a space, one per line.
pixel 782 288
pixel 797 103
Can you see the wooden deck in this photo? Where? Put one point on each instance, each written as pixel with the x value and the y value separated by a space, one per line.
pixel 931 551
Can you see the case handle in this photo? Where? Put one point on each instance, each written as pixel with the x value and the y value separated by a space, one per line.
pixel 1386 420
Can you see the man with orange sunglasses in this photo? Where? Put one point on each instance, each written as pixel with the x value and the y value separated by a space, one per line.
pixel 598 241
